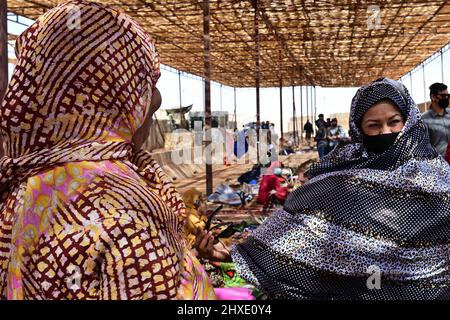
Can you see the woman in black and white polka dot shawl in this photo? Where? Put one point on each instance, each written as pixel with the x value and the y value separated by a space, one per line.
pixel 367 225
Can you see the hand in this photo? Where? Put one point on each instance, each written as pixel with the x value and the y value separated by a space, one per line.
pixel 204 244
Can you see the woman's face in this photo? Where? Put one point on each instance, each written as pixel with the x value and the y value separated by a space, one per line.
pixel 383 118
pixel 143 132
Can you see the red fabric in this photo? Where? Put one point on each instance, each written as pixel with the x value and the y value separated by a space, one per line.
pixel 273 166
pixel 269 183
pixel 447 155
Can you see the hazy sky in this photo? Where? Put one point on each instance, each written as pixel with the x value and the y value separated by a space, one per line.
pixel 329 100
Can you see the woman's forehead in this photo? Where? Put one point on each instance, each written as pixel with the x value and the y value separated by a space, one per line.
pixel 384 109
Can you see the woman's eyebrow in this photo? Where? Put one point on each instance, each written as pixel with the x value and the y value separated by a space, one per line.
pixel 395 115
pixel 372 120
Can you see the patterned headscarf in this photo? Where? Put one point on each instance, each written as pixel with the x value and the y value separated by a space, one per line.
pixel 361 215
pixel 412 143
pixel 73 194
pixel 78 92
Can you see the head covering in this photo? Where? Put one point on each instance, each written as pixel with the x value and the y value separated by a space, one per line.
pixel 75 199
pixel 361 215
pixel 412 143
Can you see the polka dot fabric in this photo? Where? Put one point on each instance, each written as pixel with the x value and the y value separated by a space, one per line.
pixel 361 211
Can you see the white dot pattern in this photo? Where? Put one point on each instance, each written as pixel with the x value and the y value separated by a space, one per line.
pixel 359 210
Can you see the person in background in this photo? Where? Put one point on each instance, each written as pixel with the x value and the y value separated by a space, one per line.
pixel 328 123
pixel 271 190
pixel 437 118
pixel 285 148
pixel 321 121
pixel 336 134
pixel 321 139
pixel 309 130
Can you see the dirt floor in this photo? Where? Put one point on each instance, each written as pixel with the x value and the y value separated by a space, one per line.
pixel 230 173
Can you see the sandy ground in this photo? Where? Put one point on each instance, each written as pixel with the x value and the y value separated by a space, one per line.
pixel 230 173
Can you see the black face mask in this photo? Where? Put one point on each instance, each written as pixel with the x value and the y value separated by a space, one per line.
pixel 380 143
pixel 443 103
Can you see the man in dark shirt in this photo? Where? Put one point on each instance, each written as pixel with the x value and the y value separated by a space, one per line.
pixel 309 130
pixel 437 118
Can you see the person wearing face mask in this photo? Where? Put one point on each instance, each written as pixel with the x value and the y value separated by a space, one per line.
pixel 336 134
pixel 372 222
pixel 271 190
pixel 85 213
pixel 437 118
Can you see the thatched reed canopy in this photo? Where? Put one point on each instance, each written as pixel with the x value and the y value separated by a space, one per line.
pixel 331 40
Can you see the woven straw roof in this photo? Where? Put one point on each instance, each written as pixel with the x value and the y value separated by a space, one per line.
pixel 329 39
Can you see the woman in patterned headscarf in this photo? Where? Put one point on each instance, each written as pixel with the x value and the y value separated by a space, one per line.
pixel 85 214
pixel 372 223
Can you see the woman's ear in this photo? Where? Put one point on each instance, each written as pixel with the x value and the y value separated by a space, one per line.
pixel 156 101
pixel 142 134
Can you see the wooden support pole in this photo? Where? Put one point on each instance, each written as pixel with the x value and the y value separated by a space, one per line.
pixel 301 112
pixel 311 102
pixel 307 104
pixel 301 106
pixel 294 116
pixel 179 89
pixel 411 83
pixel 207 71
pixel 235 109
pixel 424 85
pixel 181 101
pixel 257 79
pixel 315 103
pixel 281 108
pixel 221 97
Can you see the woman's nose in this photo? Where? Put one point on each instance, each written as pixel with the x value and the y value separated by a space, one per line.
pixel 386 129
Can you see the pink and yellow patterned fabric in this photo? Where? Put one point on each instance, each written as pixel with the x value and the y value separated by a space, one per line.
pixel 81 215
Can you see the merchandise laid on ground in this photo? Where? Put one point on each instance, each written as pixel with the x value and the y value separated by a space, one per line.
pixel 118 180
pixel 233 211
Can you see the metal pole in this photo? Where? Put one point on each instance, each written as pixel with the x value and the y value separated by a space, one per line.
pixel 315 103
pixel 312 102
pixel 301 106
pixel 307 104
pixel 221 100
pixel 424 86
pixel 207 70
pixel 181 102
pixel 302 124
pixel 257 78
pixel 179 89
pixel 411 83
pixel 281 108
pixel 442 66
pixel 235 108
pixel 3 48
pixel 294 115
